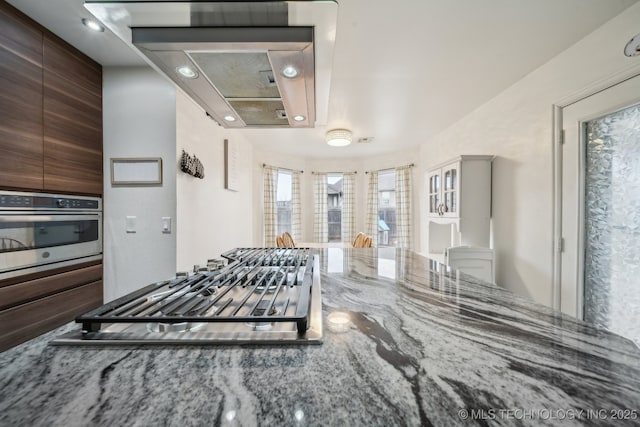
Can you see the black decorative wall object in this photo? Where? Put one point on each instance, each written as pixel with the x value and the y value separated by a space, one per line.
pixel 191 165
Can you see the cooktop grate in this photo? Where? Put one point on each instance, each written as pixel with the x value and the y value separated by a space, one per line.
pixel 258 286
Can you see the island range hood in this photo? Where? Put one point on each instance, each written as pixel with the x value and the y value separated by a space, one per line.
pixel 247 64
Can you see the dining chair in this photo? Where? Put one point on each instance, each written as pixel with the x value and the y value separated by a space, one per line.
pixel 280 242
pixel 287 238
pixel 474 261
pixel 359 240
pixel 9 243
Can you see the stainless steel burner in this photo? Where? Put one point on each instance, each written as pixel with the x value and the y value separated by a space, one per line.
pixel 174 303
pixel 175 327
pixel 259 311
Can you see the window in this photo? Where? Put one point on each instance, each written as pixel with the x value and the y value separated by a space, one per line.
pixel 387 208
pixel 283 199
pixel 334 207
pixel 385 198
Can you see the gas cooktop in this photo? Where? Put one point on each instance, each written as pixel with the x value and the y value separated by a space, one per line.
pixel 263 295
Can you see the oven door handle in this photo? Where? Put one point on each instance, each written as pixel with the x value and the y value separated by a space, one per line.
pixel 48 218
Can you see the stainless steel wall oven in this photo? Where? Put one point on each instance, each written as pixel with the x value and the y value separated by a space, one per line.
pixel 45 231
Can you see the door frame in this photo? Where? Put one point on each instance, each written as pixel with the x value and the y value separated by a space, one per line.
pixel 557 244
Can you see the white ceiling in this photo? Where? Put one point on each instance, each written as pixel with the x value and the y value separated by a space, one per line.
pixel 403 71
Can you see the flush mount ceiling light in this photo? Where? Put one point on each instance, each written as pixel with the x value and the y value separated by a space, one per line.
pixel 338 137
pixel 187 72
pixel 290 71
pixel 229 118
pixel 633 47
pixel 92 25
pixel 299 118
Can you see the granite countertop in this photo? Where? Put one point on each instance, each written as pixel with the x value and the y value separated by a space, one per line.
pixel 425 348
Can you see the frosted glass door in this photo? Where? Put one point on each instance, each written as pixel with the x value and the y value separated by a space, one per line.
pixel 612 222
pixel 600 257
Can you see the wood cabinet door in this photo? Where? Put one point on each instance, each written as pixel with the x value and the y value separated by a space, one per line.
pixel 23 322
pixel 20 103
pixel 22 292
pixel 72 120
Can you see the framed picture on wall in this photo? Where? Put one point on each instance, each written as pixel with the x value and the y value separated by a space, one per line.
pixel 136 171
pixel 231 166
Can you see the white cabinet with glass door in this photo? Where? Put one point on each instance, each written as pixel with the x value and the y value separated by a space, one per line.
pixel 459 193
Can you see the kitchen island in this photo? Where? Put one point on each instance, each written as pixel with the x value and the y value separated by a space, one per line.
pixel 425 347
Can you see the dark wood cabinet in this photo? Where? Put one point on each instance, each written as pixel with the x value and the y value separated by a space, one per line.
pixel 21 121
pixel 50 141
pixel 21 323
pixel 33 307
pixel 72 121
pixel 50 111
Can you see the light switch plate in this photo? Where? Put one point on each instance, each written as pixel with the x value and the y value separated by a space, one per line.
pixel 130 222
pixel 166 224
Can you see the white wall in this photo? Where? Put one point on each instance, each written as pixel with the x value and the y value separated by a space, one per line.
pixel 139 121
pixel 144 116
pixel 516 126
pixel 360 165
pixel 211 220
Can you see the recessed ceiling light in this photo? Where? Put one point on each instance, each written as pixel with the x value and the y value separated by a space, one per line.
pixel 339 137
pixel 290 71
pixel 298 118
pixel 92 25
pixel 187 72
pixel 229 118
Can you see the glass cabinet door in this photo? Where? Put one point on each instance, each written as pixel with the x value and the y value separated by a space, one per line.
pixel 434 193
pixel 450 190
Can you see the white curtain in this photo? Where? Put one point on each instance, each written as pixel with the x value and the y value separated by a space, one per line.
pixel 296 207
pixel 371 225
pixel 404 191
pixel 320 226
pixel 270 205
pixel 348 207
